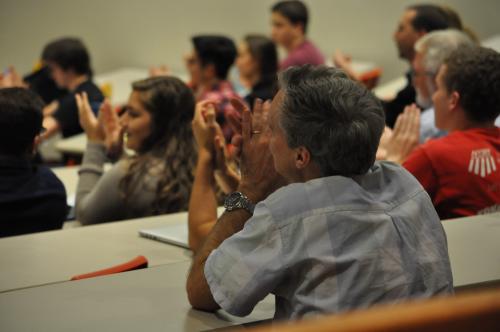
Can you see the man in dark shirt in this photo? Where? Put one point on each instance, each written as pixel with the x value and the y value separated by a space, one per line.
pixel 69 63
pixel 415 22
pixel 32 198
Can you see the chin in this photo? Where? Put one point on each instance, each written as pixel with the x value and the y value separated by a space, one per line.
pixel 423 102
pixel 131 146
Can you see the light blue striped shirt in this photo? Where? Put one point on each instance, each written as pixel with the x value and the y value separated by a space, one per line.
pixel 334 244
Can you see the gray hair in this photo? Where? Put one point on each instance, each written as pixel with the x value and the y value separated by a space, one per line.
pixel 336 119
pixel 438 45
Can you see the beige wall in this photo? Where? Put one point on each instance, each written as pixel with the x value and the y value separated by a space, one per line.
pixel 139 33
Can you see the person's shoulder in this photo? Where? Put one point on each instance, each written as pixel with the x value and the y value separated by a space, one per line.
pixel 389 172
pixel 313 51
pixel 66 101
pixel 389 183
pixel 460 140
pixel 91 89
pixel 384 187
pixel 286 203
pixel 308 44
pixel 443 144
pixel 49 180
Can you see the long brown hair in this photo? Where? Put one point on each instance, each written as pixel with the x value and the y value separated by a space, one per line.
pixel 171 144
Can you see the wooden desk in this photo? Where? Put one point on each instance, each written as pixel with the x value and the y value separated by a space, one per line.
pixel 55 256
pixel 474 249
pixel 69 178
pixel 72 145
pixel 152 299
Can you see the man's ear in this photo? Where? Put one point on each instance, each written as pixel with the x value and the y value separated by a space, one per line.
pixel 209 71
pixel 421 33
pixel 299 29
pixel 454 101
pixel 302 157
pixel 36 142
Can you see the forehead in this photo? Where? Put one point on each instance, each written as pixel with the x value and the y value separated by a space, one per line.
pixel 408 16
pixel 277 102
pixel 440 75
pixel 276 17
pixel 53 65
pixel 135 101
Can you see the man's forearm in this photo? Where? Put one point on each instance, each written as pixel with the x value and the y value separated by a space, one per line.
pixel 202 213
pixel 198 291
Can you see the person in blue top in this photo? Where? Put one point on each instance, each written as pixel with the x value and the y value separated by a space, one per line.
pixel 315 221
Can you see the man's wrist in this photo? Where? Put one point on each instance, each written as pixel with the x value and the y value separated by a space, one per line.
pixel 251 192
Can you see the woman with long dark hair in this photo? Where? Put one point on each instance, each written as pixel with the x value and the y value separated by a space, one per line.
pixel 157 179
pixel 257 64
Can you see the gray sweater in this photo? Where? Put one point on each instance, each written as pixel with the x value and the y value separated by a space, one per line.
pixel 98 196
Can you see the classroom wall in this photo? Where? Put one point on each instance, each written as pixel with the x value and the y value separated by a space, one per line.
pixel 140 33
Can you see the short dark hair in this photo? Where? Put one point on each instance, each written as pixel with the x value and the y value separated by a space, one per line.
pixel 338 120
pixel 474 72
pixel 295 11
pixel 20 120
pixel 217 50
pixel 263 50
pixel 430 18
pixel 69 54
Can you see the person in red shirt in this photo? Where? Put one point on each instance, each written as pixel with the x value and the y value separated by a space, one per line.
pixel 461 172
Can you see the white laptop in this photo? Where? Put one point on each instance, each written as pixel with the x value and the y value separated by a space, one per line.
pixel 175 233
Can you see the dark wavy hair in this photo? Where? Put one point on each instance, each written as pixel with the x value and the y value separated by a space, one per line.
pixel 474 72
pixel 171 104
pixel 264 51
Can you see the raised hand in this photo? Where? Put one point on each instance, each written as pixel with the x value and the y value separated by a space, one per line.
pixel 11 79
pixel 113 131
pixel 205 128
pixel 405 136
pixel 162 70
pixel 258 176
pixel 93 129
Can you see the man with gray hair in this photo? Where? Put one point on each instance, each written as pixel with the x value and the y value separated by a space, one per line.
pixel 430 52
pixel 345 232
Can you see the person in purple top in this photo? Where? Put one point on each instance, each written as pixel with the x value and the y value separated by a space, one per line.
pixel 289 26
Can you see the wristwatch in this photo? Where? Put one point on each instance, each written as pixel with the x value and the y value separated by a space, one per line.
pixel 238 200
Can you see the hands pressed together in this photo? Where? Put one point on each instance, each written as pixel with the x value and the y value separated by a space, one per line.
pixel 11 79
pixel 397 144
pixel 105 128
pixel 258 175
pixel 249 147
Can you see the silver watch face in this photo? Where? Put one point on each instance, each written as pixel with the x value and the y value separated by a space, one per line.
pixel 233 201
